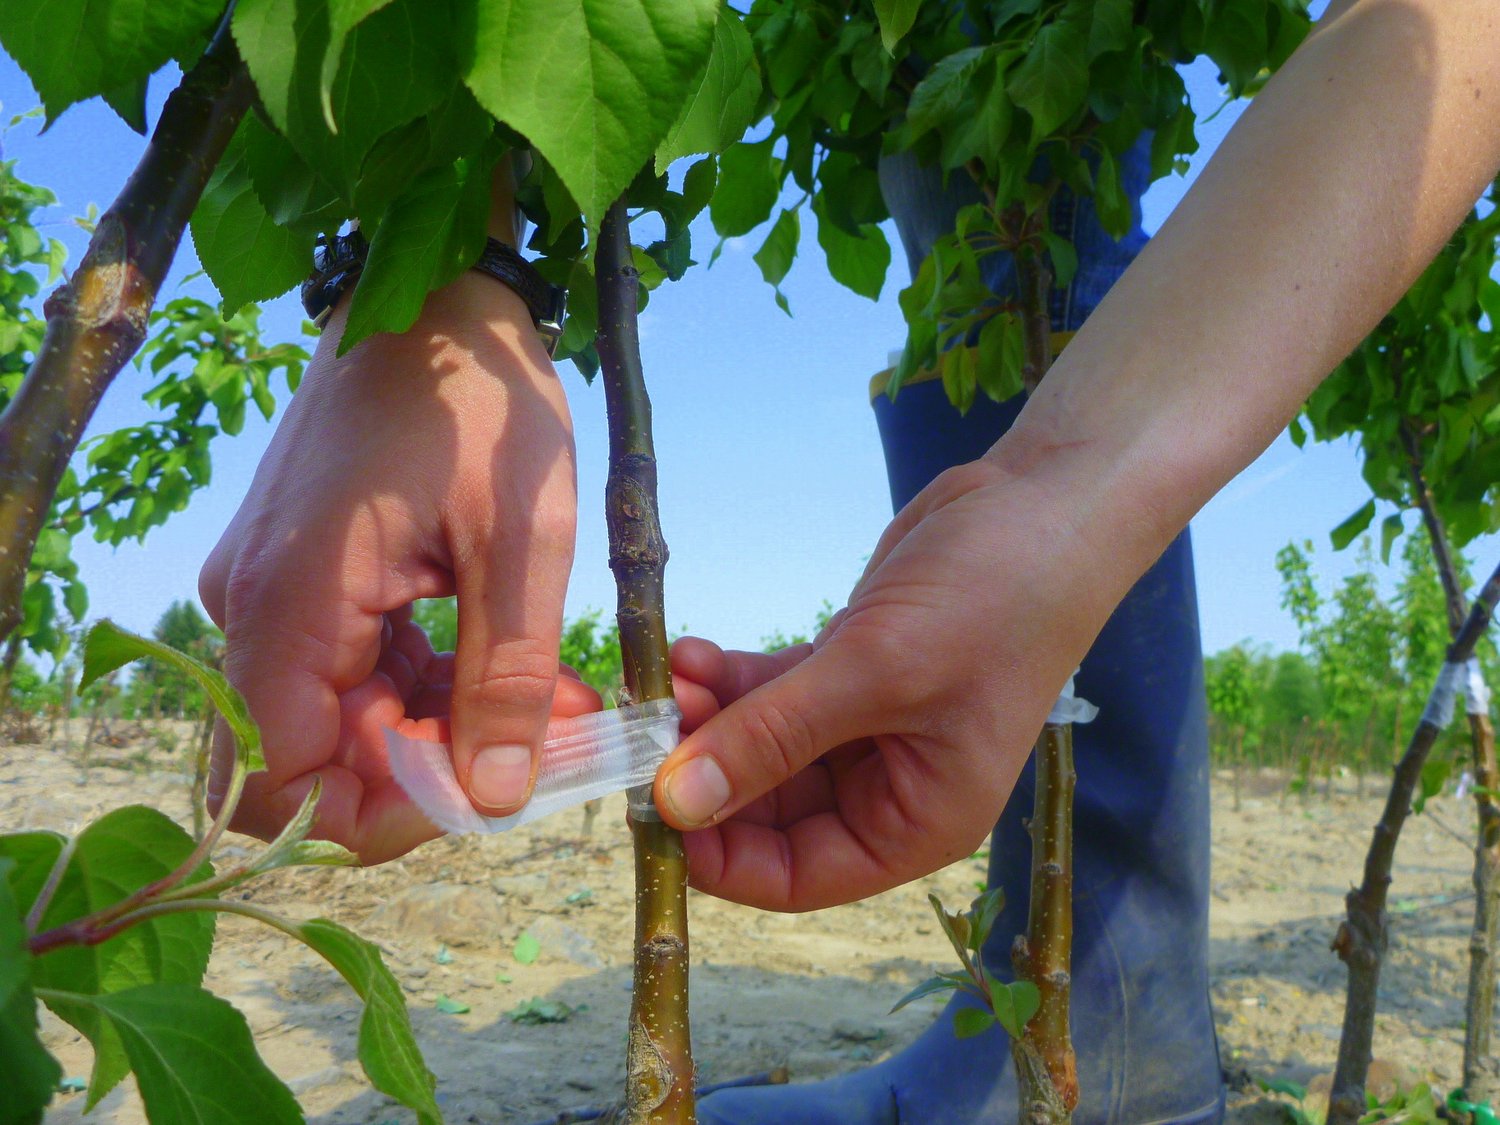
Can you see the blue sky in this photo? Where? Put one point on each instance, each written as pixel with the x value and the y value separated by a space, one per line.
pixel 772 487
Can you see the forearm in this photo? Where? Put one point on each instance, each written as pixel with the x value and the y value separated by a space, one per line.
pixel 1323 204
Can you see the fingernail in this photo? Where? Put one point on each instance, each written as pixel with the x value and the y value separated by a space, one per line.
pixel 499 775
pixel 696 790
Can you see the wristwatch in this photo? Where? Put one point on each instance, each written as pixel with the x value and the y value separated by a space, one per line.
pixel 337 262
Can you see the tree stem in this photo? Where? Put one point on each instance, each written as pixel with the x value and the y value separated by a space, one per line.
pixel 659 1061
pixel 1363 935
pixel 1044 954
pixel 1481 1078
pixel 97 319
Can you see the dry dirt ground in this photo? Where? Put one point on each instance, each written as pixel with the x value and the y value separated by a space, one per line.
pixel 811 992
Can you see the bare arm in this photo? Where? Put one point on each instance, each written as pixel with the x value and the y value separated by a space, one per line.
pixel 1324 203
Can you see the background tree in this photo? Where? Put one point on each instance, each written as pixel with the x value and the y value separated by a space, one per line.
pixel 157 687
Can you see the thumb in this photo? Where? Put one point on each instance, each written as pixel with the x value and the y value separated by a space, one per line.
pixel 766 736
pixel 505 672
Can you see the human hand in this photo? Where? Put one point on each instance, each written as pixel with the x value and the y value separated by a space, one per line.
pixel 887 747
pixel 435 462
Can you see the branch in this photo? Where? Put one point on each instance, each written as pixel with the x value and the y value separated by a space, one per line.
pixel 659 1063
pixel 1363 935
pixel 97 319
pixel 1437 534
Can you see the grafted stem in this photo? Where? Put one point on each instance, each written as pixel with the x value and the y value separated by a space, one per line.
pixel 1363 935
pixel 1481 1079
pixel 659 1062
pixel 97 319
pixel 1045 1064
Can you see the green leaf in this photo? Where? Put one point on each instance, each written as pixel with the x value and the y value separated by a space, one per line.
pixel 1064 258
pixel 539 1011
pixel 527 948
pixel 343 15
pixel 248 257
pixel 1235 38
pixel 1110 200
pixel 1052 81
pixel 1014 1004
pixel 857 263
pixel 75 49
pixel 595 85
pixel 1434 776
pixel 429 236
pixel 118 854
pixel 896 18
pixel 1390 531
pixel 109 647
pixel 779 250
pixel 387 1048
pixel 723 106
pixel 1111 29
pixel 1001 351
pixel 969 1022
pixel 749 185
pixel 290 191
pixel 129 101
pixel 1348 531
pixel 1282 1086
pixel 450 1007
pixel 941 90
pixel 285 43
pixel 192 1054
pixel 31 1074
pixel 929 987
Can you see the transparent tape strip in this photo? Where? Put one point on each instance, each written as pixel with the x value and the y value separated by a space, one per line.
pixel 1451 679
pixel 1070 708
pixel 583 758
pixel 1476 691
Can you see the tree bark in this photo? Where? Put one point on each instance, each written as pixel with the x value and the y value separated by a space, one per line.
pixel 97 319
pixel 1481 1079
pixel 1363 935
pixel 659 1062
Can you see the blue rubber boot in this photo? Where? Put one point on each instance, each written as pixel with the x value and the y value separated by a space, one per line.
pixel 1142 1026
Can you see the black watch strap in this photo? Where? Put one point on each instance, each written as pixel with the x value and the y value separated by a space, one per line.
pixel 337 263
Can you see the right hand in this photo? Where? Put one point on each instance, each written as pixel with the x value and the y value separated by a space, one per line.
pixel 435 462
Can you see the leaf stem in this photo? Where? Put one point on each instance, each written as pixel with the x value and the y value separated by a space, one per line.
pixel 659 1061
pixel 49 888
pixel 97 319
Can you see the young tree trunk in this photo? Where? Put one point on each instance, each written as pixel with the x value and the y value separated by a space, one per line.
pixel 1481 1074
pixel 659 1062
pixel 8 671
pixel 1362 937
pixel 1046 1068
pixel 97 319
pixel 1046 1071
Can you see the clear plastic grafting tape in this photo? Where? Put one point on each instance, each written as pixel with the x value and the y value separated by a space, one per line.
pixel 1451 679
pixel 1069 708
pixel 583 758
pixel 1476 691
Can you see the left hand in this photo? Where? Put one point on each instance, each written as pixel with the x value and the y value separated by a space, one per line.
pixel 886 749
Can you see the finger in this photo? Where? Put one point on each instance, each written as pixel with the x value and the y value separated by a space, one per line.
pixel 730 674
pixel 511 582
pixel 767 735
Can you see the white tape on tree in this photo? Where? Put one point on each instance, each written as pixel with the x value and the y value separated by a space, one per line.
pixel 1069 708
pixel 1476 691
pixel 583 758
pixel 1439 709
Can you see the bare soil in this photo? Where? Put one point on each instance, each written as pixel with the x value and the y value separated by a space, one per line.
pixel 809 992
